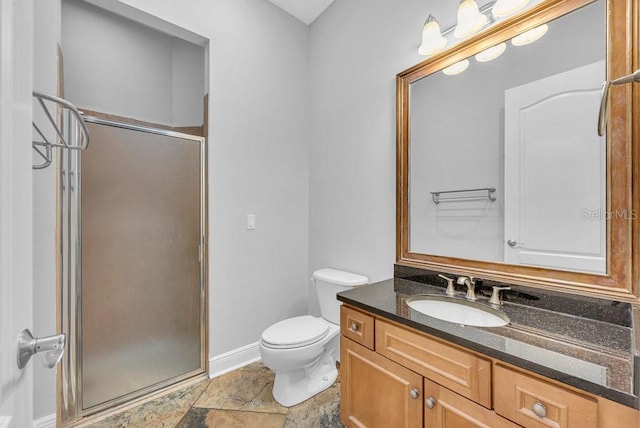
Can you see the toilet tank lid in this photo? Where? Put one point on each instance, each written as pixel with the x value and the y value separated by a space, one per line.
pixel 340 277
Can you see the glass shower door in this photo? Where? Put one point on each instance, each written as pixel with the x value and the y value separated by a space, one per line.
pixel 142 232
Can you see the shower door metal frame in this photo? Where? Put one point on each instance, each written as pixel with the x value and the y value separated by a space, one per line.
pixel 69 264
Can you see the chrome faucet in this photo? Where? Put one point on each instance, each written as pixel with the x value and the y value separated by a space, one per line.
pixel 470 282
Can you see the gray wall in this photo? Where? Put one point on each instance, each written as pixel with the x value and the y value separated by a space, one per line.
pixel 357 47
pixel 114 65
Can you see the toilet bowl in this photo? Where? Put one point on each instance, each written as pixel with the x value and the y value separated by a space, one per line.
pixel 302 351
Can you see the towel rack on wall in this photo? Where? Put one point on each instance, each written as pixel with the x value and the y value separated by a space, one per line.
pixel 435 196
pixel 67 135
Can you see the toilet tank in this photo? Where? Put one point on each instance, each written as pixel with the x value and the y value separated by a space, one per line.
pixel 329 282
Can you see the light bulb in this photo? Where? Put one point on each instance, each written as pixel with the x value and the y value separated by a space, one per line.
pixel 504 8
pixel 432 40
pixel 530 36
pixel 456 68
pixel 491 53
pixel 470 20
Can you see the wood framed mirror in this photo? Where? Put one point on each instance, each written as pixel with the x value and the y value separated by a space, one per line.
pixel 500 171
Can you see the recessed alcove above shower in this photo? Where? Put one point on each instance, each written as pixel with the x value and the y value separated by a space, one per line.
pixel 121 67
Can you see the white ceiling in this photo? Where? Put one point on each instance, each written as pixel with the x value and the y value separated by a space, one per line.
pixel 305 10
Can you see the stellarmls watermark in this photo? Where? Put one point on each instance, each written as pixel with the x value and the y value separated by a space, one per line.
pixel 586 214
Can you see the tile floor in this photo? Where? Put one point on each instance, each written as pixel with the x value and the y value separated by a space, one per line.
pixel 238 399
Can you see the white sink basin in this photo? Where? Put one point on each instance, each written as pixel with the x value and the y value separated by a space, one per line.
pixel 458 311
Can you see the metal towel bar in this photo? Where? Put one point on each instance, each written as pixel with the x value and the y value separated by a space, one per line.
pixel 435 196
pixel 80 143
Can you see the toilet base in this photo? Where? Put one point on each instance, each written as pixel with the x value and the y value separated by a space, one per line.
pixel 292 387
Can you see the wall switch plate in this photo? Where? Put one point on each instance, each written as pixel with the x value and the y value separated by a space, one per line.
pixel 251 221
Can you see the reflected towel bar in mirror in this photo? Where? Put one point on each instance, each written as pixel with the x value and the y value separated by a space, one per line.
pixel 435 196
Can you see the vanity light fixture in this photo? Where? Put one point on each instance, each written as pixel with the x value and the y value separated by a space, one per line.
pixel 470 20
pixel 504 8
pixel 432 40
pixel 529 36
pixel 491 53
pixel 456 68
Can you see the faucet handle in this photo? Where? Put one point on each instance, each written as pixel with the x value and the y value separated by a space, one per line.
pixel 496 298
pixel 470 282
pixel 450 288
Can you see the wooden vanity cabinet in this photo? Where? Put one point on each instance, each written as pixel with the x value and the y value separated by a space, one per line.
pixel 394 376
pixel 387 388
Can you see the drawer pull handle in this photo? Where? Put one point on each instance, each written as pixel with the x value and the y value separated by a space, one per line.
pixel 430 402
pixel 354 326
pixel 414 393
pixel 539 409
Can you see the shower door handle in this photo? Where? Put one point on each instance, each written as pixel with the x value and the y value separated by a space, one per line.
pixel 29 346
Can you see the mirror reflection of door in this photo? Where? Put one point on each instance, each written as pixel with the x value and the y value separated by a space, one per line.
pixel 555 186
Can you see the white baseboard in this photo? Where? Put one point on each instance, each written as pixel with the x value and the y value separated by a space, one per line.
pixel 48 421
pixel 234 359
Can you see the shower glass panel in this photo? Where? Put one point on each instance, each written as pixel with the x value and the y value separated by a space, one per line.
pixel 141 320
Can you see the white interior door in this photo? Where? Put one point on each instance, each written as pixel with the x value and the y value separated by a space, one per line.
pixel 16 56
pixel 555 178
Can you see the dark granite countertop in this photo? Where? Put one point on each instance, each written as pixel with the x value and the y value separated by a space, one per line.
pixel 587 343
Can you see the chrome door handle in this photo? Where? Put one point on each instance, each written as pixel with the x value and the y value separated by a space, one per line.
pixel 29 346
pixel 414 393
pixel 430 402
pixel 354 327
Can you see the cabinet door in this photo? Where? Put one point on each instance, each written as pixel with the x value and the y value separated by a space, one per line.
pixel 376 392
pixel 446 409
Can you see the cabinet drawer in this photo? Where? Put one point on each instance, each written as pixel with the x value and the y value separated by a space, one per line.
pixel 453 368
pixel 357 326
pixel 444 408
pixel 536 403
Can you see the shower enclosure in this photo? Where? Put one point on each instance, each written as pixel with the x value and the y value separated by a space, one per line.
pixel 132 265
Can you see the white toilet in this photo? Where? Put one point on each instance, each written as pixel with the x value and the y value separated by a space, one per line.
pixel 302 351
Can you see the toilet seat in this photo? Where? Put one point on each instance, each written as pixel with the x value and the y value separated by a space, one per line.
pixel 295 332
